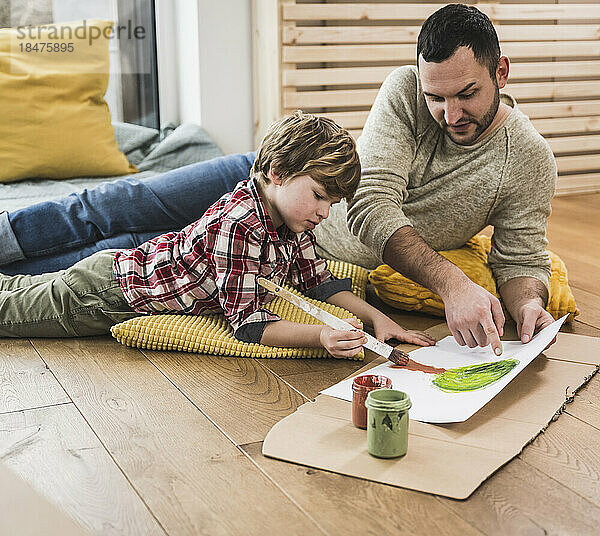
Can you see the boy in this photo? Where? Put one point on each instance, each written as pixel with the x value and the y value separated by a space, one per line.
pixel 262 228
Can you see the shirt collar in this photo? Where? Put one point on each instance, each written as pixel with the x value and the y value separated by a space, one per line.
pixel 284 233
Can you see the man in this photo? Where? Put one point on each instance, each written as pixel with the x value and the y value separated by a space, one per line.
pixel 443 155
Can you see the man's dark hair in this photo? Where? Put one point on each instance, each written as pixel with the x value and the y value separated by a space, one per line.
pixel 457 25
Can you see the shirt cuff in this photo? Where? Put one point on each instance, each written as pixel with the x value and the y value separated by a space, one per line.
pixel 505 275
pixel 251 333
pixel 329 288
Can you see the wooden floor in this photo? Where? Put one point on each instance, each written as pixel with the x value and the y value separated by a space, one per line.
pixel 133 442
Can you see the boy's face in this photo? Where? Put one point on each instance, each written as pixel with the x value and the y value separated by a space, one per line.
pixel 301 203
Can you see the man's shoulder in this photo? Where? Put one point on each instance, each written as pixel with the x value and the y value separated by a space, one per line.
pixel 398 98
pixel 531 159
pixel 524 138
pixel 407 74
pixel 403 81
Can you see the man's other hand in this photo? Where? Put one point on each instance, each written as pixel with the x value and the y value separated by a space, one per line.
pixel 532 317
pixel 475 316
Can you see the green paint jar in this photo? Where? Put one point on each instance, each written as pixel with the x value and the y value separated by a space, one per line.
pixel 387 423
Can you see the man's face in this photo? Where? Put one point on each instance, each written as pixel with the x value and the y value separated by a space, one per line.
pixel 460 95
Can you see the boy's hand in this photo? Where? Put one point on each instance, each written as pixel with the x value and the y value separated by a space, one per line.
pixel 385 329
pixel 343 344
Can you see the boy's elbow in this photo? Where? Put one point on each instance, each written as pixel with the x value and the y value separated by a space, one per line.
pixel 251 333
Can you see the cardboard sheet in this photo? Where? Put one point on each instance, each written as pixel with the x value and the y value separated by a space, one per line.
pixel 451 459
pixel 431 404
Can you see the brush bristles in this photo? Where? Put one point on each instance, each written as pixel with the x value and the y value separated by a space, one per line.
pixel 399 358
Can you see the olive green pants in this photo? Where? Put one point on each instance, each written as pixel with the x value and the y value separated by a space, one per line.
pixel 85 299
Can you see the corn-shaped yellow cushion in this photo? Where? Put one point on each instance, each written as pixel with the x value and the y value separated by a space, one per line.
pixel 398 291
pixel 212 334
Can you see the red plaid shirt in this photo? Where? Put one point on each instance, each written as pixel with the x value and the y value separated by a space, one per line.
pixel 212 265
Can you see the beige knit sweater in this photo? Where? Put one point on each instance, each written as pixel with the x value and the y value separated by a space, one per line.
pixel 414 174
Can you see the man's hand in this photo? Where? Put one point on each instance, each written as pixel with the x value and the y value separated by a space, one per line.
pixel 474 316
pixel 532 317
pixel 525 299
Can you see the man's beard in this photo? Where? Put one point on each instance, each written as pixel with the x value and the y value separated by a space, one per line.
pixel 480 125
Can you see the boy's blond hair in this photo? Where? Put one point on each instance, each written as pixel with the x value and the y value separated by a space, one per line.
pixel 304 144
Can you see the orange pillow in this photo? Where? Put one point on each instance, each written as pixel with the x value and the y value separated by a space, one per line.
pixel 400 292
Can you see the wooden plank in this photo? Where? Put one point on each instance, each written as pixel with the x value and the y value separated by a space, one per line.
pixel 363 12
pixel 585 204
pixel 577 122
pixel 190 475
pixel 575 144
pixel 240 395
pixel 291 367
pixel 569 452
pixel 554 69
pixel 571 234
pixel 364 97
pixel 570 164
pixel 313 35
pixel 334 98
pixel 27 513
pixel 567 125
pixel 55 451
pixel 579 328
pixel 351 53
pixel 571 218
pixel 343 505
pixel 401 11
pixel 308 35
pixel 589 304
pixel 579 266
pixel 586 405
pixel 406 53
pixel 376 75
pixel 554 90
pixel 577 248
pixel 519 499
pixel 538 110
pixel 578 184
pixel 551 49
pixel 348 119
pixel 25 381
pixel 311 383
pixel 336 76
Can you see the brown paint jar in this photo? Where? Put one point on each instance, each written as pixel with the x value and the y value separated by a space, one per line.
pixel 361 387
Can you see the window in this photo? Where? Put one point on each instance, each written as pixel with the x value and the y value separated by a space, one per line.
pixel 132 93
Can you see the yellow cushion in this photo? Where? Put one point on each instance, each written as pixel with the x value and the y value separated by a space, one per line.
pixel 399 291
pixel 212 334
pixel 55 122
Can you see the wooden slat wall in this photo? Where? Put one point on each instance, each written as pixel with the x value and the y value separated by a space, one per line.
pixel 330 57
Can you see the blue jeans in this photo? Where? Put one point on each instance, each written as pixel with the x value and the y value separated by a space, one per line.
pixel 53 235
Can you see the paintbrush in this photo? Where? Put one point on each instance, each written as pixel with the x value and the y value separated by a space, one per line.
pixel 380 348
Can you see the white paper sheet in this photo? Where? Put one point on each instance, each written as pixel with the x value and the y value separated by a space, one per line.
pixel 431 404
